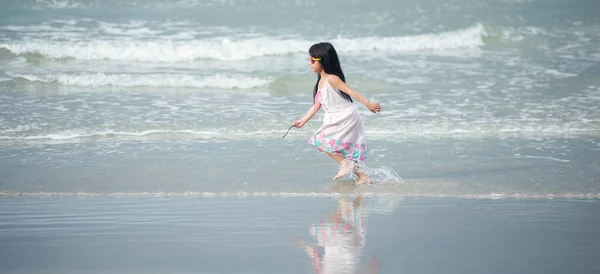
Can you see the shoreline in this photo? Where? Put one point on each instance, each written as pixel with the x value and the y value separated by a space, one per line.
pixel 492 196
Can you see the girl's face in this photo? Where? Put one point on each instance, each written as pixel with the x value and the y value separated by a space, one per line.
pixel 315 64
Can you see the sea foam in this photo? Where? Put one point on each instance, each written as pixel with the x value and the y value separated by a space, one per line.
pixel 230 48
pixel 148 80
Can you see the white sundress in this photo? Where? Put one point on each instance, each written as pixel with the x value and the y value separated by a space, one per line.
pixel 343 131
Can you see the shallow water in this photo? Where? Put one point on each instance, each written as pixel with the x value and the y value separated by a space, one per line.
pixel 447 167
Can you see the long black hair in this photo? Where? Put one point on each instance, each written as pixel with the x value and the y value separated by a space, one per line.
pixel 330 62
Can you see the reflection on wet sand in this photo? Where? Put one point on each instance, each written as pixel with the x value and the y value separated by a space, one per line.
pixel 340 239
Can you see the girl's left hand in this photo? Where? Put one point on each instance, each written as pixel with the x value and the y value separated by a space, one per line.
pixel 299 123
pixel 374 107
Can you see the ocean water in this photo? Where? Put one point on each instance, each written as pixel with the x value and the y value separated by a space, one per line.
pixel 194 96
pixel 116 116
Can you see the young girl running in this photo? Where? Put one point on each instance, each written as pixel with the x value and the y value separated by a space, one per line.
pixel 342 135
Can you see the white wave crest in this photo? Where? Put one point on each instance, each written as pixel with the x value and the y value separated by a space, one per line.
pixel 57 4
pixel 160 51
pixel 470 38
pixel 149 80
pixel 242 49
pixel 67 135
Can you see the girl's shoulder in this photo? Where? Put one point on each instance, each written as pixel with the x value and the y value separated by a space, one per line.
pixel 333 81
pixel 332 78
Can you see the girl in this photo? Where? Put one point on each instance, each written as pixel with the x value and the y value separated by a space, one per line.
pixel 342 135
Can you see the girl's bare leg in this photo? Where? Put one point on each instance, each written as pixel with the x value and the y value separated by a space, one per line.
pixel 347 167
pixel 362 178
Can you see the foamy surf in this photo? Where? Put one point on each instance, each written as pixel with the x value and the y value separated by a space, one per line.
pixel 58 4
pixel 230 49
pixel 266 133
pixel 219 81
pixel 68 135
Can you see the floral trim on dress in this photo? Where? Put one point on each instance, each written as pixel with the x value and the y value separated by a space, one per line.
pixel 356 152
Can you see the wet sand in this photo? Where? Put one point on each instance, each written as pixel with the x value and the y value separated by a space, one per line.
pixel 258 234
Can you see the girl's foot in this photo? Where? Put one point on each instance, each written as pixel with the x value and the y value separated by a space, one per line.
pixel 364 179
pixel 346 167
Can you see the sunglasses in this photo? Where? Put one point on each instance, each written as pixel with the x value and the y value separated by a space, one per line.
pixel 313 59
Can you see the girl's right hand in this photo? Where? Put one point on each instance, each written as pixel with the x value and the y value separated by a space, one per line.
pixel 299 123
pixel 374 107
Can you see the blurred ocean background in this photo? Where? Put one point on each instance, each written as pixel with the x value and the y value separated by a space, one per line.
pixel 104 103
